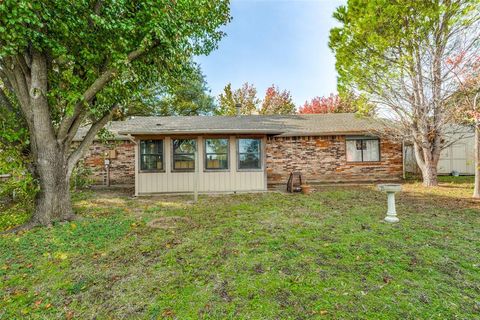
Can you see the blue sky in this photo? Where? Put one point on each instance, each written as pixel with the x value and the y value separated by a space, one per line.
pixel 284 42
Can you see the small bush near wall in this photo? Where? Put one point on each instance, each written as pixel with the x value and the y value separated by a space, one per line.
pixel 81 177
pixel 17 192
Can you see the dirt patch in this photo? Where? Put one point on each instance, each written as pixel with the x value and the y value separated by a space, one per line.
pixel 172 222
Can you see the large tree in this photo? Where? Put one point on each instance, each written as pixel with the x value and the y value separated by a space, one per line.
pixel 277 101
pixel 245 97
pixel 72 62
pixel 396 53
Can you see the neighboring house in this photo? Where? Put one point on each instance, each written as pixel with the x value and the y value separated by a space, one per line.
pixel 458 156
pixel 244 153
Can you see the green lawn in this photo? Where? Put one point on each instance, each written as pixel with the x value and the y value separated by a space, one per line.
pixel 326 255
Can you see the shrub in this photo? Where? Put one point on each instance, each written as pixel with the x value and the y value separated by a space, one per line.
pixel 17 192
pixel 81 177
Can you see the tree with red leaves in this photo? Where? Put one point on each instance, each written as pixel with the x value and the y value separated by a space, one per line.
pixel 321 105
pixel 335 103
pixel 277 102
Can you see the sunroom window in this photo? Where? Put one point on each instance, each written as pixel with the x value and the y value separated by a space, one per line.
pixel 249 154
pixel 184 154
pixel 151 155
pixel 363 149
pixel 216 154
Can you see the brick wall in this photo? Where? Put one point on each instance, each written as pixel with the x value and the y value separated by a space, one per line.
pixel 323 159
pixel 122 168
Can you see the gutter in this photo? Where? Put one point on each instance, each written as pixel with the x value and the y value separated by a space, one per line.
pixel 131 138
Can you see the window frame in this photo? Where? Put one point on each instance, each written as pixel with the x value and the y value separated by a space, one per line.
pixel 173 169
pixel 208 153
pixel 140 156
pixel 363 138
pixel 260 151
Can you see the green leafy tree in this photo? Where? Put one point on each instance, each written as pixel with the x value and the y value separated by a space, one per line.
pixel 71 63
pixel 396 54
pixel 188 95
pixel 277 102
pixel 245 97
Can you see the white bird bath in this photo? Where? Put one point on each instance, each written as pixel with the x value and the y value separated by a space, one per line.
pixel 391 189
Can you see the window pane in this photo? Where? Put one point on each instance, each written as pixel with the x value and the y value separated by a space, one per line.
pixel 249 145
pixel 184 146
pixel 249 154
pixel 216 153
pixel 249 161
pixel 152 162
pixel 216 145
pixel 151 146
pixel 184 162
pixel 371 150
pixel 151 155
pixel 216 161
pixel 353 153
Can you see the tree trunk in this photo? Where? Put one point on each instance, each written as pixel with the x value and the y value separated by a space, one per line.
pixel 476 189
pixel 49 157
pixel 53 159
pixel 429 174
pixel 53 202
pixel 427 162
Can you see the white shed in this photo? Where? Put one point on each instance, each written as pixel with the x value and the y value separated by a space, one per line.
pixel 459 156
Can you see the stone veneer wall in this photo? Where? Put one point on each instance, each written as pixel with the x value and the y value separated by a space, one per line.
pixel 323 159
pixel 122 168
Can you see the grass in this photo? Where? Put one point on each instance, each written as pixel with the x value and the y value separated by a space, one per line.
pixel 262 256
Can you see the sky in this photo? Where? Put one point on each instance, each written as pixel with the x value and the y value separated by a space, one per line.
pixel 281 42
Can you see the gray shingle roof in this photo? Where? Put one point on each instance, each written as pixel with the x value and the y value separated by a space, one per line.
pixel 287 125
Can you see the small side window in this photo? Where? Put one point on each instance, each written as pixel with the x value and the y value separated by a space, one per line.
pixel 363 149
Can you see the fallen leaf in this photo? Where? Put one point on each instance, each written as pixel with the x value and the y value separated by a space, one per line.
pixel 69 315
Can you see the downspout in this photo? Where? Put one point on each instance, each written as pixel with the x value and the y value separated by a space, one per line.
pixel 136 158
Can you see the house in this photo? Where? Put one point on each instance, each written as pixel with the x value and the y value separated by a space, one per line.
pixel 243 153
pixel 458 156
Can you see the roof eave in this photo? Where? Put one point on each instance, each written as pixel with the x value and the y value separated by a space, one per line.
pixel 177 132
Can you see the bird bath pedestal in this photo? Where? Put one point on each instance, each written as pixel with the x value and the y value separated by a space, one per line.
pixel 390 189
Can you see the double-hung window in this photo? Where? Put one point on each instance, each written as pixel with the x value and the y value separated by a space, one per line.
pixel 151 155
pixel 216 154
pixel 249 154
pixel 184 154
pixel 363 149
